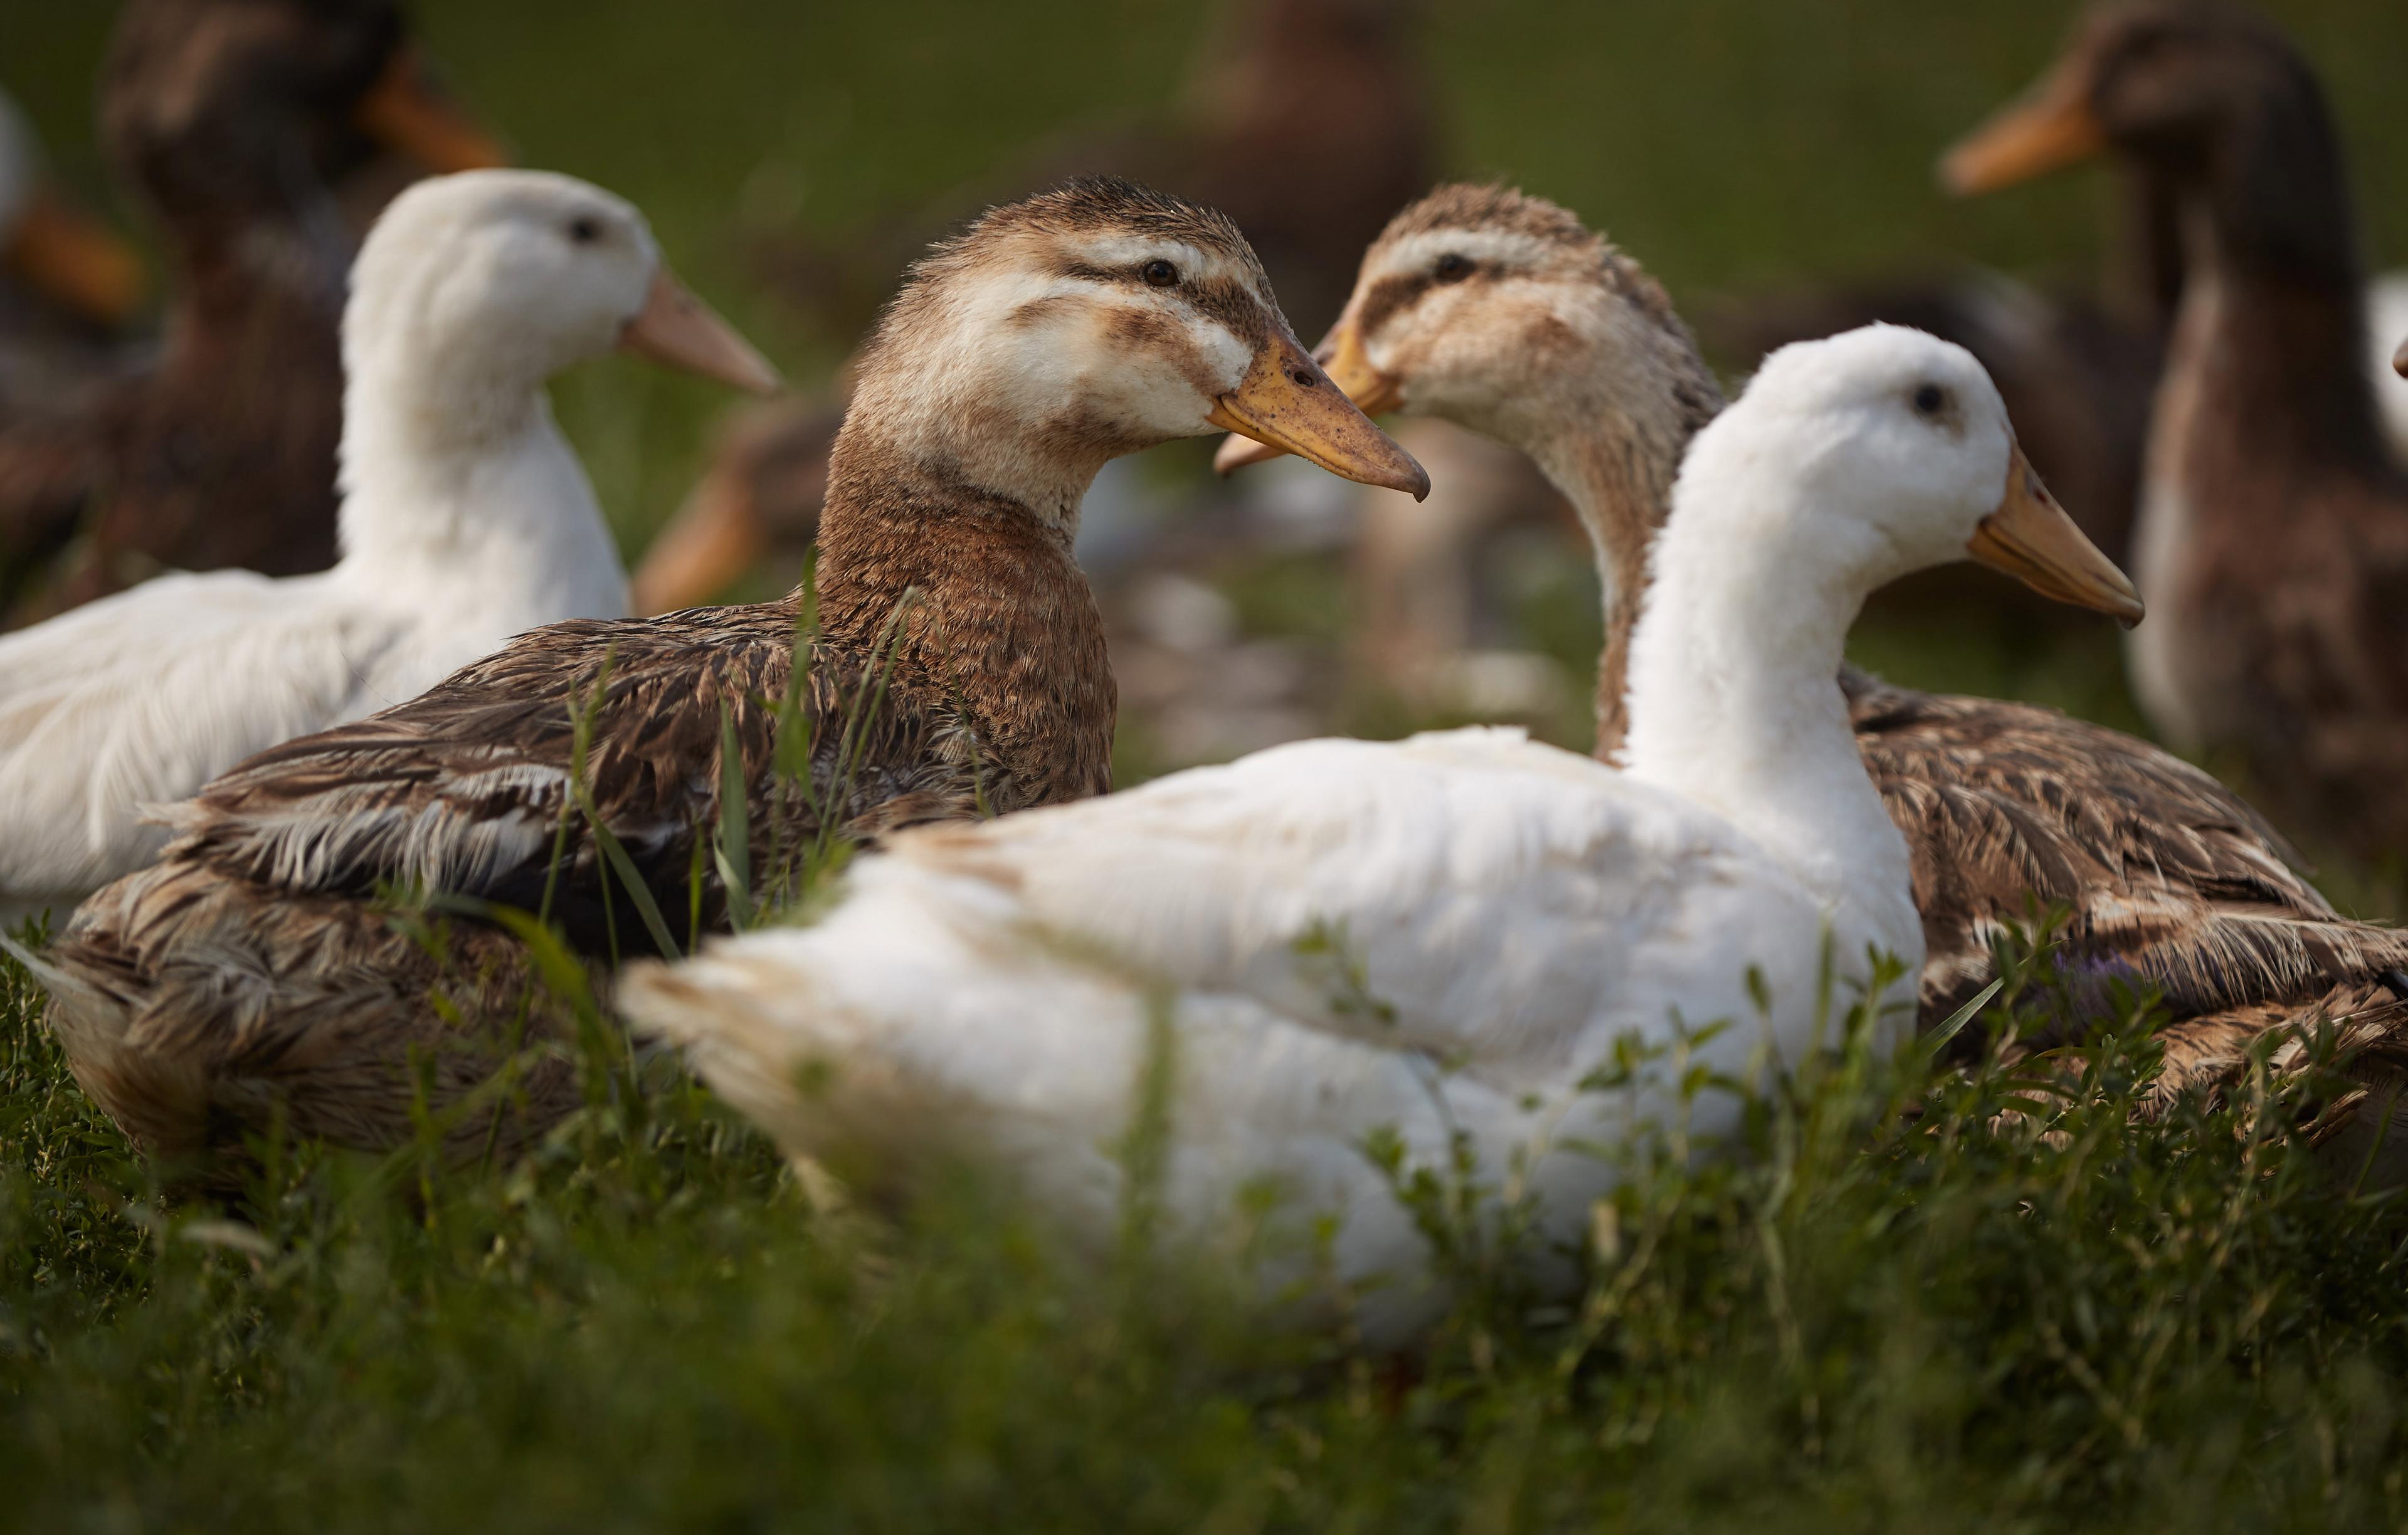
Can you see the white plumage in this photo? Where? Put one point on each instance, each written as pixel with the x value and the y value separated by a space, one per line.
pixel 465 519
pixel 1442 934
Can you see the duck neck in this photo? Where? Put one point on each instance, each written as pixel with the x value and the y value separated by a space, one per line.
pixel 1613 450
pixel 465 484
pixel 975 590
pixel 2265 373
pixel 1733 701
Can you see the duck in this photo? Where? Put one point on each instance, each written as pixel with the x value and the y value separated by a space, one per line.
pixel 465 519
pixel 1305 121
pixel 1443 944
pixel 945 662
pixel 2079 368
pixel 232 121
pixel 1506 314
pixel 2273 534
pixel 68 284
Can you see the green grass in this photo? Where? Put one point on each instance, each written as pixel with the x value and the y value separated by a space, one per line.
pixel 1888 1315
pixel 1879 1320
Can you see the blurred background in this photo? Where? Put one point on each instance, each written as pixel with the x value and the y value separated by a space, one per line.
pixel 1748 151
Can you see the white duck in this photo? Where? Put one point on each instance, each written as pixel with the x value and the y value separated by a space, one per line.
pixel 465 519
pixel 1513 910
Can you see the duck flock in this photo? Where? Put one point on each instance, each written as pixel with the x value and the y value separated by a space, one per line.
pixel 331 752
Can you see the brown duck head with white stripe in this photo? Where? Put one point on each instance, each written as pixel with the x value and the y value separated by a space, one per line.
pixel 1501 312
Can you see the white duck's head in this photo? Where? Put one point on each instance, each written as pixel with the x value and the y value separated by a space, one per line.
pixel 474 289
pixel 1847 463
pixel 1093 321
pixel 55 250
pixel 1856 460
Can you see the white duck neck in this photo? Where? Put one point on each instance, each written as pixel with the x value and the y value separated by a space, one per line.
pixel 456 474
pixel 1614 456
pixel 1734 702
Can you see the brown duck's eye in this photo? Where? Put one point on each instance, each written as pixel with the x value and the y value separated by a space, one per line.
pixel 1452 267
pixel 584 231
pixel 1930 399
pixel 1159 273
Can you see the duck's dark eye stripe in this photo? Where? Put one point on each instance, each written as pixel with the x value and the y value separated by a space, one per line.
pixel 1454 267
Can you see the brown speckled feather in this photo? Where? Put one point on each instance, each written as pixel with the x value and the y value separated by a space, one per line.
pixel 2169 878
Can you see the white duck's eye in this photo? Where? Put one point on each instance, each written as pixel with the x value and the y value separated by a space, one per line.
pixel 1452 267
pixel 1159 273
pixel 585 229
pixel 1931 400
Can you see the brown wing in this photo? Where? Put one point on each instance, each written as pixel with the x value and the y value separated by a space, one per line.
pixel 469 788
pixel 2169 878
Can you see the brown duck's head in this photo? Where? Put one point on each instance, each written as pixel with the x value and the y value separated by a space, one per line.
pixel 1093 321
pixel 2161 81
pixel 1502 312
pixel 223 111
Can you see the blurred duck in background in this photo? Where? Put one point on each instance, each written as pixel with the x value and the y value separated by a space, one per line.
pixel 1309 122
pixel 1501 312
pixel 2079 370
pixel 233 122
pixel 465 520
pixel 1435 944
pixel 67 285
pixel 948 662
pixel 2272 536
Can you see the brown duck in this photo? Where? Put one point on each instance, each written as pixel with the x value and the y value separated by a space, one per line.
pixel 954 667
pixel 2272 538
pixel 1504 314
pixel 231 120
pixel 1306 120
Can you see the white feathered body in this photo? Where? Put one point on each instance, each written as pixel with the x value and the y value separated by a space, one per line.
pixel 1452 931
pixel 1447 934
pixel 141 698
pixel 467 519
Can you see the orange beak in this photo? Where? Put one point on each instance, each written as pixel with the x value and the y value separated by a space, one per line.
pixel 67 255
pixel 406 112
pixel 1342 355
pixel 1286 404
pixel 2031 539
pixel 681 331
pixel 713 539
pixel 2051 127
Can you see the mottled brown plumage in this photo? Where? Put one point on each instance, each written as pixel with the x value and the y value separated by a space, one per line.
pixel 231 120
pixel 957 667
pixel 2009 809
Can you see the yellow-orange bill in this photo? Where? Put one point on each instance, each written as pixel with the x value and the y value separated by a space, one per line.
pixel 70 257
pixel 2031 539
pixel 2051 127
pixel 713 539
pixel 1340 355
pixel 681 331
pixel 1285 401
pixel 405 111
